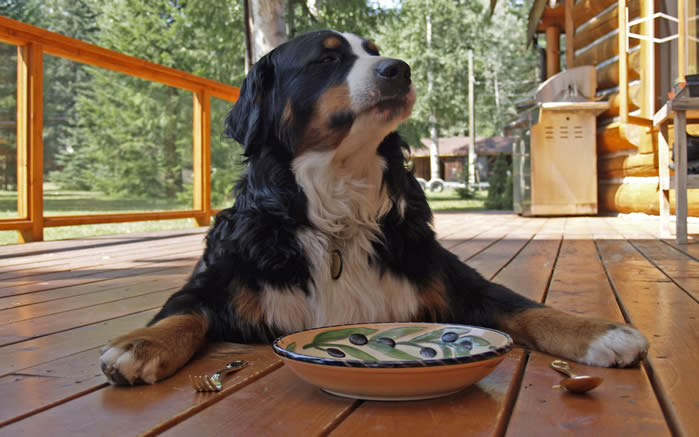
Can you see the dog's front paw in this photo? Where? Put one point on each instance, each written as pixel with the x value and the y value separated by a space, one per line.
pixel 619 346
pixel 130 359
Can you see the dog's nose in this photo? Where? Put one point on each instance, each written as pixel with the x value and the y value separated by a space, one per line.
pixel 393 69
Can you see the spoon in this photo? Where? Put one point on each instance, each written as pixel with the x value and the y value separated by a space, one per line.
pixel 574 383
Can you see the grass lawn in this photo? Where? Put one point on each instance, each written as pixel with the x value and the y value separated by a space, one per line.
pixel 58 202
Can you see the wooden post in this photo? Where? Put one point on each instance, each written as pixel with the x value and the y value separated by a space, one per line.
pixel 553 50
pixel 623 65
pixel 570 33
pixel 648 85
pixel 201 156
pixel 682 40
pixel 664 182
pixel 471 125
pixel 680 149
pixel 30 156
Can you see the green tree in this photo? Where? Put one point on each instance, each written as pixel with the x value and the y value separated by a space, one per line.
pixel 498 181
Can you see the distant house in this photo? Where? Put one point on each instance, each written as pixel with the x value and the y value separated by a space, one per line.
pixel 453 153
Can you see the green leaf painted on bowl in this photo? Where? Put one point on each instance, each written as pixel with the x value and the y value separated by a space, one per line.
pixel 477 341
pixel 338 334
pixel 356 353
pixel 398 332
pixel 392 352
pixel 291 347
pixel 437 335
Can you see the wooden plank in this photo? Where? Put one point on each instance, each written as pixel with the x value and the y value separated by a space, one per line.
pixel 586 9
pixel 680 268
pixel 579 285
pixel 75 50
pixel 668 316
pixel 490 261
pixel 297 408
pixel 32 312
pixel 38 327
pixel 132 278
pixel 57 246
pixel 42 350
pixel 92 257
pixel 138 409
pixel 483 240
pixel 71 278
pixel 31 390
pixel 480 410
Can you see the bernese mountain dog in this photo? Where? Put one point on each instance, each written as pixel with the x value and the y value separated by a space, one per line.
pixel 329 227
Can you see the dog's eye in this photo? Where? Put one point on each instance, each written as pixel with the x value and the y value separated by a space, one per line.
pixel 329 58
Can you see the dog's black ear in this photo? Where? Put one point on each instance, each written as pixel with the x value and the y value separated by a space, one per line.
pixel 247 120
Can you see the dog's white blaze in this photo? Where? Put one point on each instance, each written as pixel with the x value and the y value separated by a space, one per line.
pixel 620 347
pixel 360 79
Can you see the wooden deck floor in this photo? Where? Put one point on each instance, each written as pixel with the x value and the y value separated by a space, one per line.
pixel 61 301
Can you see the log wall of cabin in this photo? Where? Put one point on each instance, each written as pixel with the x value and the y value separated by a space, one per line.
pixel 627 152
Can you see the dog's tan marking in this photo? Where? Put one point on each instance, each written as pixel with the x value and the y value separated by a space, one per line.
pixel 332 42
pixel 434 303
pixel 319 135
pixel 373 48
pixel 155 352
pixel 247 306
pixel 575 337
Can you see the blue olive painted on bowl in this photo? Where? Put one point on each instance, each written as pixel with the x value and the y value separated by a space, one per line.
pixel 358 339
pixel 387 341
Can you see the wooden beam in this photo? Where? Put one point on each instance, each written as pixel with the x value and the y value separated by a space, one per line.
pixel 30 159
pixel 635 197
pixel 682 40
pixel 201 154
pixel 647 52
pixel 16 32
pixel 552 17
pixel 14 224
pixel 570 33
pixel 96 219
pixel 615 101
pixel 603 25
pixel 587 9
pixel 623 63
pixel 602 50
pixel 610 166
pixel 553 50
pixel 608 76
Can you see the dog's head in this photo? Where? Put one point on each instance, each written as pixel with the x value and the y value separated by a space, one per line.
pixel 321 91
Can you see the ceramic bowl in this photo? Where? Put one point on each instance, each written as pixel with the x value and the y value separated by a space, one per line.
pixel 393 361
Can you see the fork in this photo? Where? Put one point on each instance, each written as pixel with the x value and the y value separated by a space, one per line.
pixel 214 382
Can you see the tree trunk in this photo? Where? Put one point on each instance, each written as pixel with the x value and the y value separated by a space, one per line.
pixel 434 133
pixel 268 29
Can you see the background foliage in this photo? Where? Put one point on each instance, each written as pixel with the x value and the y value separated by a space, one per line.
pixel 127 137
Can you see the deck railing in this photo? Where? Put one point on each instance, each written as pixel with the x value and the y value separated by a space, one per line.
pixel 32 42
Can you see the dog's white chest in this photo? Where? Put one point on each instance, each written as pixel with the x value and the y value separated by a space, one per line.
pixel 361 293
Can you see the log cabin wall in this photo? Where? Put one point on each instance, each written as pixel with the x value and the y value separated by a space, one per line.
pixel 627 151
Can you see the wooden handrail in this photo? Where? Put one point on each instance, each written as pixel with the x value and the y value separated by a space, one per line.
pixel 18 33
pixel 32 42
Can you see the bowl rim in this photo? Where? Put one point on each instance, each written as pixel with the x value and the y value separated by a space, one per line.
pixel 484 356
